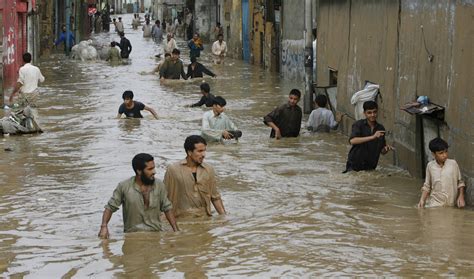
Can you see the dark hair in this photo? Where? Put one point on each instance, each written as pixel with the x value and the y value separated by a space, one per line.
pixel 437 144
pixel 220 35
pixel 218 100
pixel 157 22
pixel 370 105
pixel 191 141
pixel 193 59
pixel 113 44
pixel 205 87
pixel 127 95
pixel 295 92
pixel 140 160
pixel 27 57
pixel 167 54
pixel 121 34
pixel 321 100
pixel 176 51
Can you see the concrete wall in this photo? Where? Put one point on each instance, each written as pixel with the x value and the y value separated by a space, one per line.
pixel 1 60
pixel 384 42
pixel 205 18
pixel 233 27
pixel 257 35
pixel 292 40
pixel 263 35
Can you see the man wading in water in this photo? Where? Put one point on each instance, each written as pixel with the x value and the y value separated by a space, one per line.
pixel 143 199
pixel 191 183
pixel 285 120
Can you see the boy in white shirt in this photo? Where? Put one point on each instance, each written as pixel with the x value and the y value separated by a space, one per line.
pixel 443 183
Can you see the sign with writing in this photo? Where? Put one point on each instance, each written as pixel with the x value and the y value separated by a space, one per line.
pixel 91 11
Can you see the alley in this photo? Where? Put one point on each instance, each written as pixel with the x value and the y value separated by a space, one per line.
pixel 291 210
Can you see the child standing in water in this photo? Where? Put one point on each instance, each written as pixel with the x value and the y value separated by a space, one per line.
pixel 443 184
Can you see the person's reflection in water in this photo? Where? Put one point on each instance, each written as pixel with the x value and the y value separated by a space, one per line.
pixel 148 255
pixel 129 125
pixel 444 229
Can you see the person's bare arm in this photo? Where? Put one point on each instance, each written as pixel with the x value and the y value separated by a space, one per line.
pixel 424 196
pixel 172 220
pixel 460 201
pixel 15 91
pixel 219 206
pixel 104 231
pixel 277 130
pixel 361 140
pixel 152 111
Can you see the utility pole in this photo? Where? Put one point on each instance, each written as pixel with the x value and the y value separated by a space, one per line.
pixel 308 56
pixel 68 26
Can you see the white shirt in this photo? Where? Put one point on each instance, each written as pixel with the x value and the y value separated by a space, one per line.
pixel 218 49
pixel 170 45
pixel 213 126
pixel 29 76
pixel 442 183
pixel 119 26
pixel 321 116
pixel 146 30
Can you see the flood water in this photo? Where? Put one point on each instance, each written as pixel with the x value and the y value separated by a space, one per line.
pixel 292 213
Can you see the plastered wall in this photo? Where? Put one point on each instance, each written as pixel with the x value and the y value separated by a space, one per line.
pixel 410 48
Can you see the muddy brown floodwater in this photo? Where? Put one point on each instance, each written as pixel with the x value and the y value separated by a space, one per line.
pixel 292 213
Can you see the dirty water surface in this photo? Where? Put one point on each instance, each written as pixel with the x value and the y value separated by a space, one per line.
pixel 292 213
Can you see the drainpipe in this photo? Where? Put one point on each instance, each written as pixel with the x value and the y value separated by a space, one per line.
pixel 56 19
pixel 68 25
pixel 32 27
pixel 308 59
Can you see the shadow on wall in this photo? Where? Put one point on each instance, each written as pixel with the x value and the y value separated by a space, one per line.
pixel 292 59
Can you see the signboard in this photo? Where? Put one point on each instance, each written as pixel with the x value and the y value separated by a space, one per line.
pixel 91 11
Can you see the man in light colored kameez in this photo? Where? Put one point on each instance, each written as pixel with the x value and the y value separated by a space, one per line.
pixel 216 126
pixel 191 183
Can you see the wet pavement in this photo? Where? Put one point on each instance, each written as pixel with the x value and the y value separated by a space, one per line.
pixel 292 213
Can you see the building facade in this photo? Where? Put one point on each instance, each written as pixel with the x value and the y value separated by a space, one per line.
pixel 32 26
pixel 410 48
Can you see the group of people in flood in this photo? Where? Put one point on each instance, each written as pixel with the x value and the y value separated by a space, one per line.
pixel 189 187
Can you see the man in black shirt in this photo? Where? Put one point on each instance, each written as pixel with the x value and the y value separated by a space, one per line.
pixel 125 46
pixel 285 120
pixel 368 141
pixel 207 98
pixel 196 69
pixel 133 108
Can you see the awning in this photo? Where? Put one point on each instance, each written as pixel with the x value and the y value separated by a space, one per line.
pixel 430 109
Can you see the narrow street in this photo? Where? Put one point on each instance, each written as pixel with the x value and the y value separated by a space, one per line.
pixel 292 213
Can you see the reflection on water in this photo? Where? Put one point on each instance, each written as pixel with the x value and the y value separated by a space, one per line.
pixel 291 210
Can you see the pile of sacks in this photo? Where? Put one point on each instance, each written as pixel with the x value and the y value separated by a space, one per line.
pixel 84 51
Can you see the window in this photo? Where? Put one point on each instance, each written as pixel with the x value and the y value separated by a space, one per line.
pixel 332 77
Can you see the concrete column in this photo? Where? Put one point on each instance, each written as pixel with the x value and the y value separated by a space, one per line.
pixel 68 25
pixel 14 26
pixel 308 63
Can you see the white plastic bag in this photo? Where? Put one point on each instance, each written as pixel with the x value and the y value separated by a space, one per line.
pixel 369 93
